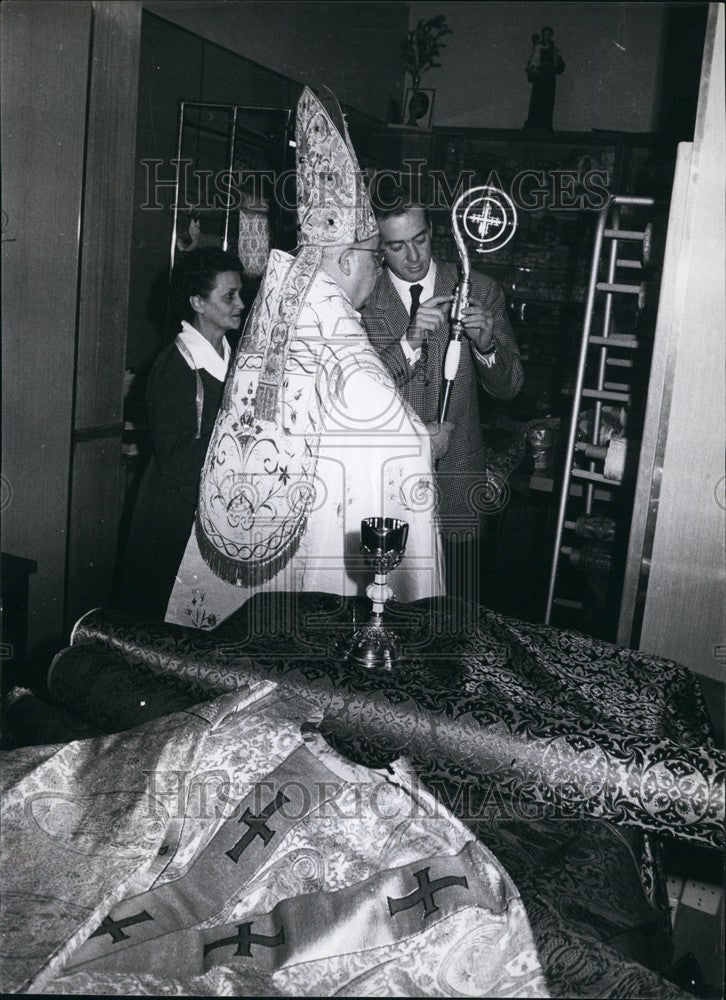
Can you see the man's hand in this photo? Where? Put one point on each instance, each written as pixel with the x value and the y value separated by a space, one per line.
pixel 478 324
pixel 430 317
pixel 440 435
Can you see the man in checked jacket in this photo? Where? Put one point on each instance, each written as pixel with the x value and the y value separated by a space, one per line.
pixel 407 321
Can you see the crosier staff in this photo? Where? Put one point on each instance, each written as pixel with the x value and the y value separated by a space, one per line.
pixel 487 208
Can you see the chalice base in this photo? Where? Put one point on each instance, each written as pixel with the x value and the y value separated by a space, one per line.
pixel 374 646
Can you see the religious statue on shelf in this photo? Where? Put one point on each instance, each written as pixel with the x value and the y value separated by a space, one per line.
pixel 543 67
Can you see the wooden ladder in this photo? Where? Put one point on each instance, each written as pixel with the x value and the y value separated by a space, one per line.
pixel 613 272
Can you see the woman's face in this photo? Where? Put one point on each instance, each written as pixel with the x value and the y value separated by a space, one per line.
pixel 221 310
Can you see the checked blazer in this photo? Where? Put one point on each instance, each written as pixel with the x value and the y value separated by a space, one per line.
pixel 463 468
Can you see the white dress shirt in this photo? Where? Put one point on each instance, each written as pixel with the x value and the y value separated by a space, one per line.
pixel 412 354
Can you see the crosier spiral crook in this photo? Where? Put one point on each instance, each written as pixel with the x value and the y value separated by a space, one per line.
pixel 500 222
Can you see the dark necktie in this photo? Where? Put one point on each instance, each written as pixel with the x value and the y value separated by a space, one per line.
pixel 415 291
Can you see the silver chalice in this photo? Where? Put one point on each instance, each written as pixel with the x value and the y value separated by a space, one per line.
pixel 383 545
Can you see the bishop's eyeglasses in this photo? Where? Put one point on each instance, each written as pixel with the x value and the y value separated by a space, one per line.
pixel 379 252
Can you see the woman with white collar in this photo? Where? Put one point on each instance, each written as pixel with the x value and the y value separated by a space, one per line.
pixel 183 394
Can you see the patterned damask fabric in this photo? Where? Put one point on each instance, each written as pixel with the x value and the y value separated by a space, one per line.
pixel 228 850
pixel 247 524
pixel 253 241
pixel 513 689
pixel 548 721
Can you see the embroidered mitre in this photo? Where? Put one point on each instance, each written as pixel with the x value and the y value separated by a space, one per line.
pixel 333 204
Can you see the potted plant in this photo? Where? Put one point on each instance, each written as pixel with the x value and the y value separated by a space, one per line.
pixel 421 51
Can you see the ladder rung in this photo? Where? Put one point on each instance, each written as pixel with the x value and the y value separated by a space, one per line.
pixel 610 397
pixel 630 234
pixel 617 289
pixel 625 234
pixel 570 525
pixel 564 603
pixel 629 263
pixel 616 386
pixel 606 286
pixel 630 342
pixel 619 362
pixel 594 477
pixel 596 451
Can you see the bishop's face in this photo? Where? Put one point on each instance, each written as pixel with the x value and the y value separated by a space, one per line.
pixel 366 259
pixel 406 239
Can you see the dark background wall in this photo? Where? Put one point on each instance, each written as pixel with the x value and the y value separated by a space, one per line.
pixel 352 47
pixel 629 66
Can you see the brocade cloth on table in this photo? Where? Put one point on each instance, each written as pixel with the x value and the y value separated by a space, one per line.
pixel 564 726
pixel 228 850
pixel 521 730
pixel 108 693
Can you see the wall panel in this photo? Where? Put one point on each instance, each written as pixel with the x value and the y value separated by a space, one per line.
pixel 45 53
pixel 227 79
pixel 93 530
pixel 684 608
pixel 107 213
pixel 103 305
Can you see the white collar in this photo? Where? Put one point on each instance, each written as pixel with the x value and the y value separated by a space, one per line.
pixel 404 287
pixel 199 353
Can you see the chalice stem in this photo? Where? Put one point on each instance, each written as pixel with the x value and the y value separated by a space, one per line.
pixel 379 592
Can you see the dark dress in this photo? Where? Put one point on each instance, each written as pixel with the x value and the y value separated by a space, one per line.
pixel 167 499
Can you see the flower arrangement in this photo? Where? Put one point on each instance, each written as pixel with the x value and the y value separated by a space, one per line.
pixel 423 45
